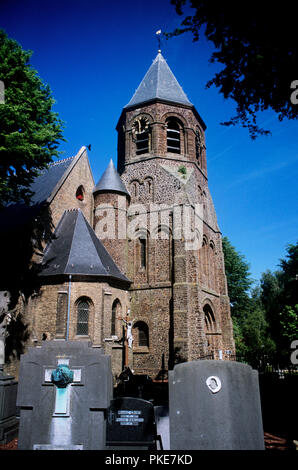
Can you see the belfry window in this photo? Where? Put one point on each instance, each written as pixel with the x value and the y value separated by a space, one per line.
pixel 142 135
pixel 173 136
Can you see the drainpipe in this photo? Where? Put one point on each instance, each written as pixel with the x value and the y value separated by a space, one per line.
pixel 68 309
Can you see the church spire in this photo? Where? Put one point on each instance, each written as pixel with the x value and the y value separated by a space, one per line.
pixel 159 82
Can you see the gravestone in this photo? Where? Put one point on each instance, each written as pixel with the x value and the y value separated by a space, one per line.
pixel 131 424
pixel 64 390
pixel 215 405
pixel 9 424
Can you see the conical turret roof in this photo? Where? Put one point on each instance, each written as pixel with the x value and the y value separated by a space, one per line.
pixel 111 181
pixel 76 250
pixel 159 82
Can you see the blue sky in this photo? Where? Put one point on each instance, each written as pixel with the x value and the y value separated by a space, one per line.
pixel 94 54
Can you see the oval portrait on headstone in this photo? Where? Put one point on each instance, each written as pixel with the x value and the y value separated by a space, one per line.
pixel 213 383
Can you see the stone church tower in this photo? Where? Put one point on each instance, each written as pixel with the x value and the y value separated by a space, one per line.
pixel 141 245
pixel 179 294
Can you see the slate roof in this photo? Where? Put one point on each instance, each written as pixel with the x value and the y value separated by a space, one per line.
pixel 159 82
pixel 45 183
pixel 111 181
pixel 76 250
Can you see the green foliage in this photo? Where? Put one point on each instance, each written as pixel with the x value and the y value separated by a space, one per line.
pixel 289 323
pixel 30 131
pixel 248 314
pixel 257 50
pixel 279 296
pixel 238 278
pixel 182 169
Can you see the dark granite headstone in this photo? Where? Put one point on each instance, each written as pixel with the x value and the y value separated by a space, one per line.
pixel 70 414
pixel 131 424
pixel 215 405
pixel 9 424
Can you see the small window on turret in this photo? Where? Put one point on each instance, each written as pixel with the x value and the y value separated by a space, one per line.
pixel 80 193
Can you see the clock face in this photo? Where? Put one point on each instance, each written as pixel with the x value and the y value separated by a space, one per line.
pixel 140 125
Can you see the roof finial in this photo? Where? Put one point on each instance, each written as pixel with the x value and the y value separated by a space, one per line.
pixel 158 34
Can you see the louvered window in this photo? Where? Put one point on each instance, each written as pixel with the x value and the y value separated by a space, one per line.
pixel 173 137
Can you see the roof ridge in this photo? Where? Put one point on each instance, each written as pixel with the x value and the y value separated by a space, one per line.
pixel 61 161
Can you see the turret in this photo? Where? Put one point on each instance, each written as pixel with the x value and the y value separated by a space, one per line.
pixel 111 200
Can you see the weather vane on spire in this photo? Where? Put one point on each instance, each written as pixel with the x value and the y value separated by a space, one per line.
pixel 158 34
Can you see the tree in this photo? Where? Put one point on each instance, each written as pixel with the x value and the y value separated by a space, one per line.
pixel 290 275
pixel 30 131
pixel 257 47
pixel 279 297
pixel 289 324
pixel 248 314
pixel 238 278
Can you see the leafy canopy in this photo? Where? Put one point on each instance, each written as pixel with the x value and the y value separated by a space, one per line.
pixel 257 47
pixel 29 130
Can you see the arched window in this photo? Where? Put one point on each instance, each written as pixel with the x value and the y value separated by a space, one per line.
pixel 134 188
pixel 173 136
pixel 142 137
pixel 83 317
pixel 143 252
pixel 116 311
pixel 141 334
pixel 209 319
pixel 148 182
pixel 80 193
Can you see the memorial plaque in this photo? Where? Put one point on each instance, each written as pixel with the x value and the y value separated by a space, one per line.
pixel 131 422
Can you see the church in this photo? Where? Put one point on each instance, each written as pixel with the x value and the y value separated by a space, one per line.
pixel 120 270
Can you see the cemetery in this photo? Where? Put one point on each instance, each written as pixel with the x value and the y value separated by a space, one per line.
pixel 65 400
pixel 119 326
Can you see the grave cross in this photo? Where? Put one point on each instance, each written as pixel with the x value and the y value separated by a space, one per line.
pixel 62 398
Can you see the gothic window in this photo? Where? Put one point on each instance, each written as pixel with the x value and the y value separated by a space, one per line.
pixel 116 310
pixel 142 136
pixel 83 317
pixel 141 334
pixel 209 319
pixel 173 136
pixel 210 328
pixel 80 193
